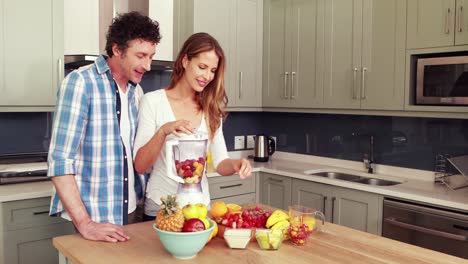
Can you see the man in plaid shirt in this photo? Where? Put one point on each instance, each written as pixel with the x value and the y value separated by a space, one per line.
pixel 90 155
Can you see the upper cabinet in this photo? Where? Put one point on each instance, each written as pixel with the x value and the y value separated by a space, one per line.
pixel 437 23
pixel 364 47
pixel 237 25
pixel 31 53
pixel 293 56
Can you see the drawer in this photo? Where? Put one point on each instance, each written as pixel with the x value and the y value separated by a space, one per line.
pixel 248 198
pixel 27 213
pixel 225 186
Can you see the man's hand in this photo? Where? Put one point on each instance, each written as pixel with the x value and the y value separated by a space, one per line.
pixel 102 232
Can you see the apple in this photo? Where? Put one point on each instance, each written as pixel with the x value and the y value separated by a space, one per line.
pixel 193 225
pixel 202 210
pixel 190 211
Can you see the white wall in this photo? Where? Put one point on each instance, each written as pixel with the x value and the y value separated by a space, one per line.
pixel 81 34
pixel 163 11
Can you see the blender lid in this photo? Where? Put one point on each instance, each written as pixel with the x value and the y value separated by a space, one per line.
pixel 196 136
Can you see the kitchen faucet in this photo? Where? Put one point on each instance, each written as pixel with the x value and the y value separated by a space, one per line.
pixel 368 158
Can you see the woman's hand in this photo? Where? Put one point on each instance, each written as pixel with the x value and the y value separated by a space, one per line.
pixel 243 168
pixel 178 127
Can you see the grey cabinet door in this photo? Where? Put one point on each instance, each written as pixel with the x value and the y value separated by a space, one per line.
pixel 275 67
pixel 357 209
pixel 293 53
pixel 431 23
pixel 382 72
pixel 275 190
pixel 31 54
pixel 461 23
pixel 307 57
pixel 247 75
pixel 313 195
pixel 34 245
pixel 343 42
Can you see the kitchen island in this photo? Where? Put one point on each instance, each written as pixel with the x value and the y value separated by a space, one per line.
pixel 335 244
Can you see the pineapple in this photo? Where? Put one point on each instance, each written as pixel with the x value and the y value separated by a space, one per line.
pixel 170 217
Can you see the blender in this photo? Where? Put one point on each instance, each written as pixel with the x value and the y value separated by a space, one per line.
pixel 186 164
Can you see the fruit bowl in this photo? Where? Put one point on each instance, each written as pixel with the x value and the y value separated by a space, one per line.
pixel 184 245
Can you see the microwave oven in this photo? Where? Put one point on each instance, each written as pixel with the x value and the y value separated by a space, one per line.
pixel 442 81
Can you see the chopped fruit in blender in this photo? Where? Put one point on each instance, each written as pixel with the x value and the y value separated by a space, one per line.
pixel 190 169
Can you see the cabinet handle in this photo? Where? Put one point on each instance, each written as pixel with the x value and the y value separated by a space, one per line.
pixel 333 210
pixel 231 186
pixel 324 204
pixel 41 212
pixel 447 25
pixel 275 180
pixel 460 28
pixel 285 88
pixel 59 72
pixel 363 82
pixel 355 70
pixel 292 92
pixel 240 85
pixel 433 232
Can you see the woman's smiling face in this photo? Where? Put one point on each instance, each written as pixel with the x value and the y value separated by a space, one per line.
pixel 200 70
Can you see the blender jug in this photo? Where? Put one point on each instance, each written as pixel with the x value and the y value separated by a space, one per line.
pixel 186 164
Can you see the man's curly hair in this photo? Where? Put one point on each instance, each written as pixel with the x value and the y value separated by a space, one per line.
pixel 130 26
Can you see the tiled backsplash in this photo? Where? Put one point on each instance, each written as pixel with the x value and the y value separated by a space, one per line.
pixel 399 141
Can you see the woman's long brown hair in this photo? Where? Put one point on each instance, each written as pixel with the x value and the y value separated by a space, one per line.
pixel 212 100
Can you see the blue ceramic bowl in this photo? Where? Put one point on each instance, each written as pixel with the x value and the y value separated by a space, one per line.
pixel 184 245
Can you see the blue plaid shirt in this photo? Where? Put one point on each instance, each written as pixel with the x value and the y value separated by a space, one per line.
pixel 86 142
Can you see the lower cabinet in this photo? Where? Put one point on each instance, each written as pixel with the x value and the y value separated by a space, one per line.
pixel 275 190
pixel 347 207
pixel 27 231
pixel 232 189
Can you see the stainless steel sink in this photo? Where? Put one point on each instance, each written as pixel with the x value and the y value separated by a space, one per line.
pixel 338 176
pixel 377 182
pixel 355 178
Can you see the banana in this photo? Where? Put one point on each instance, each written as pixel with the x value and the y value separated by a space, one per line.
pixel 275 217
pixel 283 224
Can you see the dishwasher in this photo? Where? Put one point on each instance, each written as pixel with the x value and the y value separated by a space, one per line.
pixel 426 226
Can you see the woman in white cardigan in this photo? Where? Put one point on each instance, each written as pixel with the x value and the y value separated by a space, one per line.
pixel 194 102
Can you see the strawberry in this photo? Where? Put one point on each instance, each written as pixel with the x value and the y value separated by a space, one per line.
pixel 188 173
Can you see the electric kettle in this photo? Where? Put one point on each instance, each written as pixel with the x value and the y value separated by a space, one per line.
pixel 264 148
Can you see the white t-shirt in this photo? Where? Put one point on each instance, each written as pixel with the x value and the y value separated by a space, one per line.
pixel 125 134
pixel 155 111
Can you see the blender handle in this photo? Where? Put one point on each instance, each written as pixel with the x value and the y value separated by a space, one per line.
pixel 170 163
pixel 271 146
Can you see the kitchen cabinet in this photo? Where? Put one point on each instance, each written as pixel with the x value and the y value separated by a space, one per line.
pixel 31 53
pixel 237 25
pixel 351 208
pixel 275 190
pixel 436 23
pixel 293 53
pixel 232 189
pixel 27 230
pixel 364 47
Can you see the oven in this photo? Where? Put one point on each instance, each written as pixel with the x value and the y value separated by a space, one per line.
pixel 23 168
pixel 429 227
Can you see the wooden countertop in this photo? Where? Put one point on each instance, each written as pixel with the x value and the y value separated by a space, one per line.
pixel 335 244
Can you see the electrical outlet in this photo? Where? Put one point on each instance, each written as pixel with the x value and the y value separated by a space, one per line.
pixel 250 141
pixel 239 142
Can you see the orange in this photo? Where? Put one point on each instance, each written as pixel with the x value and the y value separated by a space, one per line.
pixel 218 209
pixel 234 208
pixel 214 232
